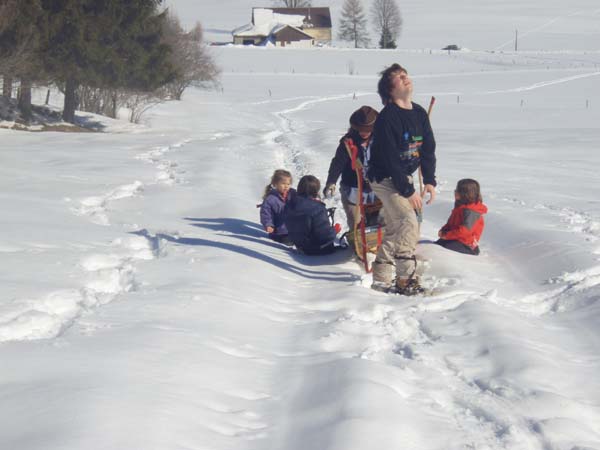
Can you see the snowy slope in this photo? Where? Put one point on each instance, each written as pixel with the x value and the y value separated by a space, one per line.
pixel 141 305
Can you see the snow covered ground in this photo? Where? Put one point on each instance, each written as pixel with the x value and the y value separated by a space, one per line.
pixel 142 307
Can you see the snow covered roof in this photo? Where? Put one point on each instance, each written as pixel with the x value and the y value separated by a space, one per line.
pixel 261 16
pixel 267 22
pixel 319 17
pixel 248 30
pixel 251 31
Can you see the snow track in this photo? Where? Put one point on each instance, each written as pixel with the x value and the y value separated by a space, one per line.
pixel 543 84
pixel 539 28
pixel 167 170
pixel 106 275
pixel 441 350
pixel 289 154
pixel 96 207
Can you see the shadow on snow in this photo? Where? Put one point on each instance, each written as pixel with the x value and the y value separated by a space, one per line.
pixel 252 232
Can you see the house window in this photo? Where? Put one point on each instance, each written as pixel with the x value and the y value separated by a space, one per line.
pixel 248 42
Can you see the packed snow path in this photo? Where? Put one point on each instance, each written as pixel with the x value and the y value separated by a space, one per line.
pixel 143 306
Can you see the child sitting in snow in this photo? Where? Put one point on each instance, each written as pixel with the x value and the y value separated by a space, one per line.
pixel 277 193
pixel 465 225
pixel 307 221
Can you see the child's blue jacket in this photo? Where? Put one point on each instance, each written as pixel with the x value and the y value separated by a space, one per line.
pixel 308 225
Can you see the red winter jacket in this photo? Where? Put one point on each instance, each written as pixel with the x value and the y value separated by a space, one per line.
pixel 465 224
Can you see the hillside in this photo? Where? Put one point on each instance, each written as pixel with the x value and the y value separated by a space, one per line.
pixel 143 307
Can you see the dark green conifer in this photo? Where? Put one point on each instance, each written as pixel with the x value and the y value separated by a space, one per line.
pixel 105 44
pixel 22 28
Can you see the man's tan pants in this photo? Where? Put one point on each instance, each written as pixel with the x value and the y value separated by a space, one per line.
pixel 400 238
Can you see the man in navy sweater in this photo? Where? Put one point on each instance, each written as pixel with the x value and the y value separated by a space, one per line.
pixel 402 140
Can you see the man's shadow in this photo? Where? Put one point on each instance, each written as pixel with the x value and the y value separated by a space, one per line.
pixel 252 232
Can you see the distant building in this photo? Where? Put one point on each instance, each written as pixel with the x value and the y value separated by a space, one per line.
pixel 286 27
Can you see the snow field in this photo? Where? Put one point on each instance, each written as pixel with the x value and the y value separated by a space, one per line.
pixel 487 419
pixel 175 323
pixel 106 275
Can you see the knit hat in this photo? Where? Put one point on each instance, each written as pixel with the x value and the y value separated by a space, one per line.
pixel 363 119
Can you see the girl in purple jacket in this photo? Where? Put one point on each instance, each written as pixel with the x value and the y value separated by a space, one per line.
pixel 277 194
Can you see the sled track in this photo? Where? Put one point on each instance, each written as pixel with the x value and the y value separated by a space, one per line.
pixel 282 138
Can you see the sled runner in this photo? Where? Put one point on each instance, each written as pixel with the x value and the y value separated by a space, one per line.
pixel 367 234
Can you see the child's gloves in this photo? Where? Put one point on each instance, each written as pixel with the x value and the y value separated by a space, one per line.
pixel 337 227
pixel 329 190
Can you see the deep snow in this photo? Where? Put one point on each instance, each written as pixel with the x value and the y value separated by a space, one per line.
pixel 141 305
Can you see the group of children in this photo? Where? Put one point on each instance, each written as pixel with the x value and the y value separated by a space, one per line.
pixel 299 218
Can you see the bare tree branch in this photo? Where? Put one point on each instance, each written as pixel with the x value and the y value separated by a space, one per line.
pixel 195 65
pixel 295 3
pixel 386 17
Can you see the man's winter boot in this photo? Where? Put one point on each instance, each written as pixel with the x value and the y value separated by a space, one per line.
pixel 383 287
pixel 383 280
pixel 410 286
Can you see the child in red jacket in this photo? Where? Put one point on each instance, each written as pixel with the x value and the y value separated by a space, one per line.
pixel 465 225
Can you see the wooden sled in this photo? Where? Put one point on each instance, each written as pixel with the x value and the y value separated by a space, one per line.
pixel 367 234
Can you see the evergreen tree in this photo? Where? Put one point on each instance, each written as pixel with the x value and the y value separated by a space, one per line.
pixel 105 43
pixel 22 26
pixel 8 15
pixel 353 24
pixel 386 40
pixel 388 22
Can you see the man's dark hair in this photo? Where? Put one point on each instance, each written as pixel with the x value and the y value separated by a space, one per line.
pixel 309 186
pixel 384 87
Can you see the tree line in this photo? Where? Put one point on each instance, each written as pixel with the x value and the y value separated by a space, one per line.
pixel 101 54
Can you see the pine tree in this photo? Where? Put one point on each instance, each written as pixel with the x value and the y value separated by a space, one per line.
pixel 388 22
pixel 386 40
pixel 353 24
pixel 105 43
pixel 22 28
